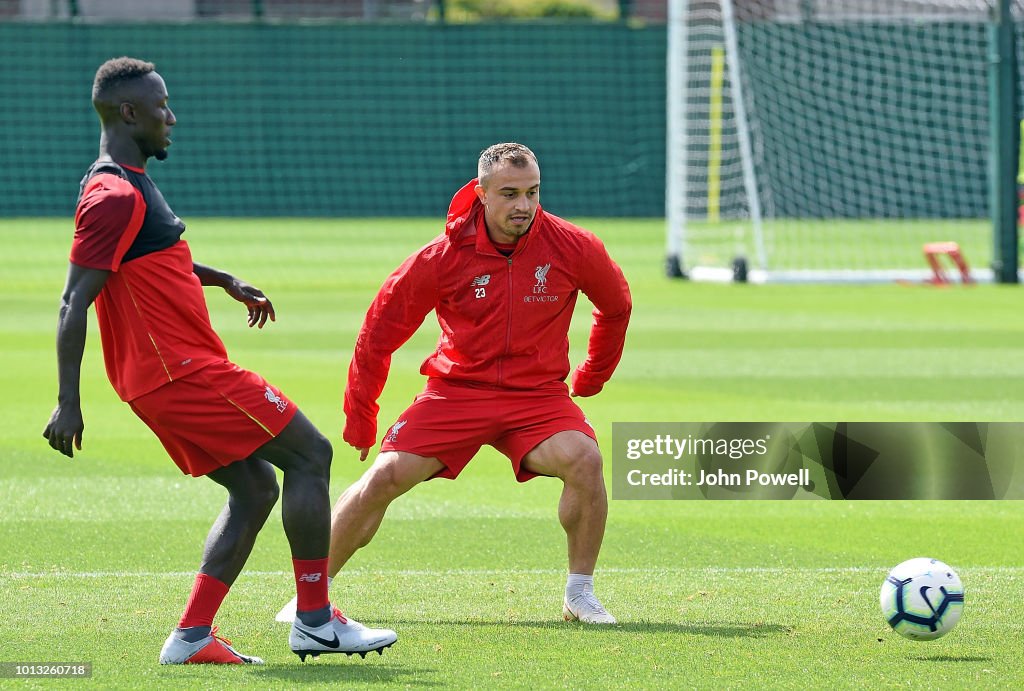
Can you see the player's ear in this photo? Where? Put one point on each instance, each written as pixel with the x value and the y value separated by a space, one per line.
pixel 127 110
pixel 481 194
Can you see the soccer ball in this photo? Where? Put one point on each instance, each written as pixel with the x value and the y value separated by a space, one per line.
pixel 922 599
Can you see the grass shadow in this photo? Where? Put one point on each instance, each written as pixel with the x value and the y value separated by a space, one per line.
pixel 723 630
pixel 328 672
pixel 951 658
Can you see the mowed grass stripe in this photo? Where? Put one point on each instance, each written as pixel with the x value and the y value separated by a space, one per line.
pixel 611 571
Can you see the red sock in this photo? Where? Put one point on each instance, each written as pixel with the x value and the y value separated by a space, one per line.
pixel 311 583
pixel 203 603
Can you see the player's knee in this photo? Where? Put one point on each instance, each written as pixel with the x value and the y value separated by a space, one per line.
pixel 325 448
pixel 584 464
pixel 319 453
pixel 265 496
pixel 261 489
pixel 383 482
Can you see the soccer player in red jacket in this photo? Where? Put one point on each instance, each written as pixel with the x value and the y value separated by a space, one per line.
pixel 163 358
pixel 503 280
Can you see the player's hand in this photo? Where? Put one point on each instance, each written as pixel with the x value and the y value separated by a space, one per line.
pixel 364 451
pixel 260 307
pixel 65 428
pixel 582 386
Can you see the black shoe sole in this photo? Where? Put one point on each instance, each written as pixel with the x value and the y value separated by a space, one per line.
pixel 303 654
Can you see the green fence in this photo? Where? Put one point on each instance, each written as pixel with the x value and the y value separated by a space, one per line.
pixel 369 120
pixel 348 120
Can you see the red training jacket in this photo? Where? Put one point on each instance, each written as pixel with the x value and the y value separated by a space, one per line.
pixel 504 320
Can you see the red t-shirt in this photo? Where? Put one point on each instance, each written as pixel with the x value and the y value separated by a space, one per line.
pixel 154 324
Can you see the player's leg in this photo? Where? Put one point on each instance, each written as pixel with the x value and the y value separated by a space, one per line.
pixel 305 457
pixel 304 454
pixel 205 434
pixel 360 509
pixel 575 458
pixel 252 492
pixel 424 442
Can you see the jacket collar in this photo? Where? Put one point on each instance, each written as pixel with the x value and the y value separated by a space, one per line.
pixel 461 209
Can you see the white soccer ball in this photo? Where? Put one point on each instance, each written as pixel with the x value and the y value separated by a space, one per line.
pixel 922 599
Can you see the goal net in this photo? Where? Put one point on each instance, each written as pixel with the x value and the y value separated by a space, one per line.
pixel 826 139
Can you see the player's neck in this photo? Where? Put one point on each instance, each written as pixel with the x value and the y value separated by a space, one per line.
pixel 499 237
pixel 121 150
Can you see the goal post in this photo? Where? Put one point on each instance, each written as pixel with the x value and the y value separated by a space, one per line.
pixel 839 140
pixel 1004 142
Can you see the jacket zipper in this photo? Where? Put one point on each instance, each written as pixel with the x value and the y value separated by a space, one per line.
pixel 508 329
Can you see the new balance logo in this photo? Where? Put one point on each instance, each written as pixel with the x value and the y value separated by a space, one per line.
pixel 481 280
pixel 273 398
pixel 310 578
pixel 393 434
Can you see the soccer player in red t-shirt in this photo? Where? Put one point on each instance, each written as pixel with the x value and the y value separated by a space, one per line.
pixel 503 280
pixel 163 358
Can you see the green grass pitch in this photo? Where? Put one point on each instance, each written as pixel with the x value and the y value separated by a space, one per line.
pixel 97 553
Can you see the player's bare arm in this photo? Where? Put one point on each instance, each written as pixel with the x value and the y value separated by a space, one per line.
pixel 65 428
pixel 260 307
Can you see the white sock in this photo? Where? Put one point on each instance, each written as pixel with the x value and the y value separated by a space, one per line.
pixel 577 584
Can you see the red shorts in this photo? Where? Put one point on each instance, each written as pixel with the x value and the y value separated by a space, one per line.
pixel 450 422
pixel 214 416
